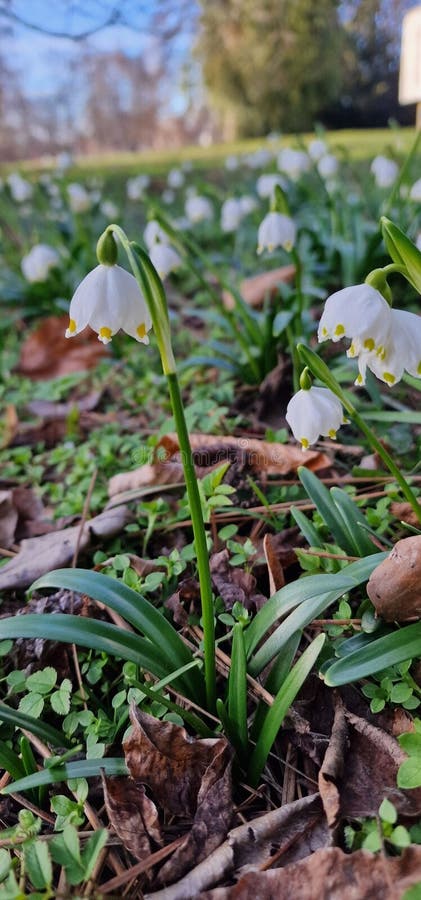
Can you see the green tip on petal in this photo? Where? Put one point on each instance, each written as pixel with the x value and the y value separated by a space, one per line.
pixel 106 249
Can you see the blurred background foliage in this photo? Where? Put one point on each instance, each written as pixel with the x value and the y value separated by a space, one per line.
pixel 109 76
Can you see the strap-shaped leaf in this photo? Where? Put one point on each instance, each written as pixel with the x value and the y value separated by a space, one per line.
pixel 40 729
pixel 132 607
pixel 81 768
pixel 403 644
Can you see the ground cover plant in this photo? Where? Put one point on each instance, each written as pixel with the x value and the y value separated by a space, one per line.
pixel 210 525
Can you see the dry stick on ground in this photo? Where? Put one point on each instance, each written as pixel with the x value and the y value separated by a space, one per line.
pixel 140 867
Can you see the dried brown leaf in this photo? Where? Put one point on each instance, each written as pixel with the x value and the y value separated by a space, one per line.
pixel 8 519
pixel 186 777
pixel 331 771
pixel 47 409
pixel 51 551
pixel 275 567
pixel 394 587
pixel 233 584
pixel 11 424
pixel 254 290
pixel 46 353
pixel 133 815
pixel 261 457
pixel 329 874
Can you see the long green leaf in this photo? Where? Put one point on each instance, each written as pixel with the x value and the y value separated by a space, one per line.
pixel 82 768
pixel 87 633
pixel 40 729
pixel 132 607
pixel 326 507
pixel 237 685
pixel 290 596
pixel 306 527
pixel 403 644
pixel 353 517
pixel 275 680
pixel 10 761
pixel 282 702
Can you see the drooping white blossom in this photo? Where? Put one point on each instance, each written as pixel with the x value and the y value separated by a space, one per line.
pixel 327 166
pixel 415 192
pixel 154 233
pixel 20 189
pixel 384 170
pixel 401 351
pixel 109 299
pixel 136 186
pixel 314 412
pixel 198 208
pixel 232 212
pixel 360 313
pixel 293 162
pixel 37 263
pixel 316 149
pixel 79 199
pixel 266 184
pixel 175 179
pixel 276 230
pixel 165 259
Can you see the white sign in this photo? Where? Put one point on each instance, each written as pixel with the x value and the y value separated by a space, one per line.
pixel 410 70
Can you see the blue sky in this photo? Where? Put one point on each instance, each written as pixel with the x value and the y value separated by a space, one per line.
pixel 39 58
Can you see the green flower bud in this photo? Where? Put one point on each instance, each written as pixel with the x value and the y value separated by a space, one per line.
pixel 377 279
pixel 306 380
pixel 279 202
pixel 403 252
pixel 106 249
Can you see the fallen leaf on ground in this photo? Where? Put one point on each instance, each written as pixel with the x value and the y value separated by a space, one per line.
pixel 331 771
pixel 8 519
pixel 234 585
pixel 329 874
pixel 394 587
pixel 254 290
pixel 10 426
pixel 209 451
pixel 46 353
pixel 47 409
pixel 292 831
pixel 405 513
pixel 186 777
pixel 39 555
pixel 185 601
pixel 133 815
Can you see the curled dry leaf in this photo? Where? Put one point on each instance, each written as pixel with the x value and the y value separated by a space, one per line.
pixel 46 353
pixel 39 555
pixel 293 831
pixel 8 519
pixel 331 770
pixel 186 777
pixel 330 874
pixel 234 585
pixel 254 290
pixel 394 587
pixel 275 567
pixel 133 815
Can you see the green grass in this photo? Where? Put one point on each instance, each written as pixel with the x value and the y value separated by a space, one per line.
pixel 359 144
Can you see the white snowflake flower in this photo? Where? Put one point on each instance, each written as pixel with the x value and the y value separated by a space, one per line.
pixel 276 230
pixel 314 412
pixel 109 299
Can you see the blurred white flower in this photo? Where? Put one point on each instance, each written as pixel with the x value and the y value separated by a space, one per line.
pixel 154 233
pixel 20 189
pixel 108 299
pixel 232 213
pixel 37 263
pixel 175 178
pixel 79 199
pixel 293 162
pixel 109 209
pixel 165 259
pixel 328 165
pixel 198 209
pixel 248 204
pixel 316 149
pixel 276 230
pixel 384 170
pixel 415 192
pixel 266 185
pixel 136 186
pixel 358 312
pixel 259 159
pixel 314 412
pixel 168 196
pixel 231 163
pixel 64 160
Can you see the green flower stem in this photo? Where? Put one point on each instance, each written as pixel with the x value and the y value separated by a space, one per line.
pixel 152 288
pixel 200 544
pixel 320 370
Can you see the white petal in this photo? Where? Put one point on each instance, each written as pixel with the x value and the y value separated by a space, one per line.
pixel 358 312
